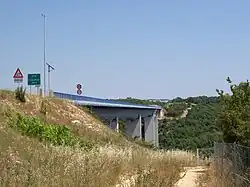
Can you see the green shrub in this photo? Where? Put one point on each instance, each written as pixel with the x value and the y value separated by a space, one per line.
pixel 20 93
pixel 53 134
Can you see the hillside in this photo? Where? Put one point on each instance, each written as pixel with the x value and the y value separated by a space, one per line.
pixel 197 130
pixel 189 123
pixel 50 142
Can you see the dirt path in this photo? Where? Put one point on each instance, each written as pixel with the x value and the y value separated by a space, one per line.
pixel 190 176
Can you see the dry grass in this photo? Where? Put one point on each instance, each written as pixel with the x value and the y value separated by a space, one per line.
pixel 213 178
pixel 27 162
pixel 221 177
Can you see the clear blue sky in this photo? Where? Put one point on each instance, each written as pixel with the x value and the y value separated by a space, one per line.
pixel 120 48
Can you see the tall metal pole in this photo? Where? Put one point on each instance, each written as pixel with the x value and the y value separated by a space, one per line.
pixel 44 63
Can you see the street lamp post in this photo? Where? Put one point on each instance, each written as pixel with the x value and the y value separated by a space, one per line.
pixel 49 70
pixel 44 64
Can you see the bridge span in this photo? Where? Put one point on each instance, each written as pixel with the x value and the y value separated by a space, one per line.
pixel 141 121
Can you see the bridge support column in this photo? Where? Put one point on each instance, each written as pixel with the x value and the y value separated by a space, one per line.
pixel 156 125
pixel 133 128
pixel 114 124
pixel 151 130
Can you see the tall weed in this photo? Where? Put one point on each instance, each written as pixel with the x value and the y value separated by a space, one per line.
pixel 20 94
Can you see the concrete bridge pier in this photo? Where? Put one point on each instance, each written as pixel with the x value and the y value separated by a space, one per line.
pixel 134 128
pixel 151 129
pixel 138 122
pixel 114 124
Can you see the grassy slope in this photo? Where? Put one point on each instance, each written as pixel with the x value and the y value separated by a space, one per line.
pixel 26 161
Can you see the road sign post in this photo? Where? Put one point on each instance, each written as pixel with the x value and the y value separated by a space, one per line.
pixel 34 79
pixel 18 76
pixel 79 92
pixel 79 89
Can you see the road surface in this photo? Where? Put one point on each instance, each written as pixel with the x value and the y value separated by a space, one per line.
pixel 190 176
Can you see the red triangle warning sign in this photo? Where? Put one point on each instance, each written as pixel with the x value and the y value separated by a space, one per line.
pixel 18 74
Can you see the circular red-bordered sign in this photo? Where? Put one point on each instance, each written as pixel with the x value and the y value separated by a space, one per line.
pixel 79 86
pixel 79 92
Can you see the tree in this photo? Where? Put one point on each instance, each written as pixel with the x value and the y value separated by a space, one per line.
pixel 234 119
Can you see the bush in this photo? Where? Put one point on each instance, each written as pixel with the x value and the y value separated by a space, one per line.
pixel 54 134
pixel 20 93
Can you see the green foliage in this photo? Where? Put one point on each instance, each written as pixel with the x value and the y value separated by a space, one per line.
pixel 197 130
pixel 122 126
pixel 20 94
pixel 53 134
pixel 140 101
pixel 197 100
pixel 177 99
pixel 176 109
pixel 234 120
